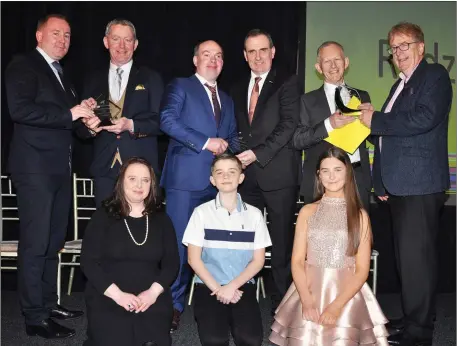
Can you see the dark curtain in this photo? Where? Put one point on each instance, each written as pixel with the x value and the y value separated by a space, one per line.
pixel 167 33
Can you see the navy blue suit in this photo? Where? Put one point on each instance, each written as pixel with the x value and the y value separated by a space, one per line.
pixel 187 117
pixel 141 104
pixel 40 167
pixel 412 168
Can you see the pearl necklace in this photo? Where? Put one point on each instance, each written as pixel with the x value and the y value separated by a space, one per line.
pixel 147 232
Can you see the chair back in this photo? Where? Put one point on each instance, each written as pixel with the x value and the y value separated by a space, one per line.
pixel 83 201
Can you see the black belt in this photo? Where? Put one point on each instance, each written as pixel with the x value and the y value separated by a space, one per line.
pixel 356 164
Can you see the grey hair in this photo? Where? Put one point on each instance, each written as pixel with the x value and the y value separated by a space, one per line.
pixel 124 22
pixel 329 43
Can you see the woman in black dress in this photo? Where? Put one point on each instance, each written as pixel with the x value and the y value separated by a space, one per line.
pixel 130 258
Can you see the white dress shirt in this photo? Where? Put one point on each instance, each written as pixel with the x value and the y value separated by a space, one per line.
pixel 50 60
pixel 208 92
pixel 401 85
pixel 252 82
pixel 113 80
pixel 330 94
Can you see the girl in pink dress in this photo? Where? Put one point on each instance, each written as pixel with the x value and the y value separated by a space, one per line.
pixel 329 302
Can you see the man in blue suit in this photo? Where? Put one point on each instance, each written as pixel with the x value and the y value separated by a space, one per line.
pixel 411 174
pixel 200 120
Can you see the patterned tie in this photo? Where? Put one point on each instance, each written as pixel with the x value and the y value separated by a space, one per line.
pixel 119 72
pixel 59 69
pixel 254 98
pixel 217 107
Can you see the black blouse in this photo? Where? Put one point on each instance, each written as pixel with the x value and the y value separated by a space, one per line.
pixel 109 254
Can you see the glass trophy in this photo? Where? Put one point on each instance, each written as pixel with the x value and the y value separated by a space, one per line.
pixel 340 104
pixel 103 111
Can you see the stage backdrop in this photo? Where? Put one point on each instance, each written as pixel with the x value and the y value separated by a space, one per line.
pixel 362 27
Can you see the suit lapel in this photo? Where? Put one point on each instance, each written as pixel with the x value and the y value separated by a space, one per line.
pixel 70 91
pixel 242 95
pixel 223 107
pixel 267 90
pixel 322 103
pixel 391 93
pixel 203 96
pixel 50 73
pixel 131 83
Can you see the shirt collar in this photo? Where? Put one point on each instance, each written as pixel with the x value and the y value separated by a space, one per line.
pixel 48 59
pixel 330 88
pixel 263 75
pixel 204 81
pixel 240 205
pixel 405 77
pixel 126 67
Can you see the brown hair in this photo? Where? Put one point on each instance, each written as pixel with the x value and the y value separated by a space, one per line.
pixel 44 20
pixel 117 205
pixel 226 156
pixel 351 194
pixel 409 29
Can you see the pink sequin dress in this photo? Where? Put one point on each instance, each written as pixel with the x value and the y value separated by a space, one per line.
pixel 328 269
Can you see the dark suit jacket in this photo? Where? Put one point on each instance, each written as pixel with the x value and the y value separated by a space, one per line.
pixel 141 105
pixel 187 117
pixel 310 134
pixel 270 134
pixel 414 159
pixel 40 110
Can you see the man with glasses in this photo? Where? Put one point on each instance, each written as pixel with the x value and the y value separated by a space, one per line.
pixel 411 174
pixel 319 116
pixel 130 96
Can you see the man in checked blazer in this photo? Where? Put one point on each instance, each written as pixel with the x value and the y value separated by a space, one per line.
pixel 411 175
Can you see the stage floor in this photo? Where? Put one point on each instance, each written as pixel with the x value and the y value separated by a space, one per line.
pixel 13 333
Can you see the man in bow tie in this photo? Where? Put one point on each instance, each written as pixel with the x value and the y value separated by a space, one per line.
pixel 130 95
pixel 319 117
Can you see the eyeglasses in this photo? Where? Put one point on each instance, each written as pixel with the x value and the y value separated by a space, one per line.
pixel 403 47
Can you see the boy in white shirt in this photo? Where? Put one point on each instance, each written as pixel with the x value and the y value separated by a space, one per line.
pixel 226 241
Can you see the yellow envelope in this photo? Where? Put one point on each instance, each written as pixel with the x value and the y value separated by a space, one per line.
pixel 352 135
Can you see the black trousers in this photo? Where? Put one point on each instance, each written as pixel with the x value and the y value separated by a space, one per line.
pixel 415 227
pixel 281 207
pixel 44 206
pixel 215 320
pixel 364 191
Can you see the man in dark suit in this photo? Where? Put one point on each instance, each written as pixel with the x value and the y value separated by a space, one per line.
pixel 134 94
pixel 43 106
pixel 411 174
pixel 266 109
pixel 319 116
pixel 200 121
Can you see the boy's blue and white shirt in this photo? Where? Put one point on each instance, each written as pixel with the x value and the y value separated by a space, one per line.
pixel 228 240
